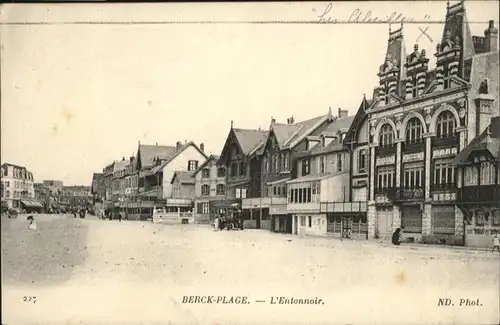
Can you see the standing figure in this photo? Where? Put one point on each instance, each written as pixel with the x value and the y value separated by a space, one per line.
pixel 496 243
pixel 216 223
pixel 120 216
pixel 32 223
pixel 396 237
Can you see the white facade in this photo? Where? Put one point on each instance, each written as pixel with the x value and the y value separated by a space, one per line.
pixel 17 184
pixel 181 163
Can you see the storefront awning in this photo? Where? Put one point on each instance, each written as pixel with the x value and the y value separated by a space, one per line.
pixel 31 204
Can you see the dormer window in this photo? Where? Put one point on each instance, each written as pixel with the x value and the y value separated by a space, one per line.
pixel 205 173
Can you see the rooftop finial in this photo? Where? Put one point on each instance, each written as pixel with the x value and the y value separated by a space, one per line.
pixel 329 110
pixel 231 124
pixel 448 5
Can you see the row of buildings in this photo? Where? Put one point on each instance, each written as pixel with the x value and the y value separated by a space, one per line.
pixel 422 152
pixel 19 191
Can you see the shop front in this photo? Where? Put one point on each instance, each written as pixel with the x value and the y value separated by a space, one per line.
pixel 411 220
pixel 32 206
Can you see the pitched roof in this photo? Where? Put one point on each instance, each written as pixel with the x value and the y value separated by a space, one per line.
pixel 172 156
pixel 149 152
pixel 303 130
pixel 250 140
pixel 209 159
pixel 120 165
pixel 339 124
pixel 488 140
pixel 283 132
pixel 183 177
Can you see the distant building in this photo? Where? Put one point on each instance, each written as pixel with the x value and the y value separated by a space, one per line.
pixel 210 189
pixel 54 186
pixel 76 195
pixel 17 188
pixel 43 195
pixel 98 189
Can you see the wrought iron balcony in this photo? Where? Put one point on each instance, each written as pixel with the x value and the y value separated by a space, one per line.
pixel 479 194
pixel 446 141
pixel 444 187
pixel 385 149
pixel 402 194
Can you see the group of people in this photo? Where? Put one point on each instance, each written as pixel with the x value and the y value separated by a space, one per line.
pixel 221 222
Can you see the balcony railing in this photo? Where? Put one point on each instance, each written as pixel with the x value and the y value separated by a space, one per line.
pixel 444 187
pixel 479 194
pixel 385 150
pixel 408 194
pixel 445 141
pixel 414 146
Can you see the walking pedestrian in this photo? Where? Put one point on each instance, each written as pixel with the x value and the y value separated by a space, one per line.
pixel 496 243
pixel 120 216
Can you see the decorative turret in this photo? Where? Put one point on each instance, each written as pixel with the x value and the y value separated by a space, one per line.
pixel 456 46
pixel 392 71
pixel 416 73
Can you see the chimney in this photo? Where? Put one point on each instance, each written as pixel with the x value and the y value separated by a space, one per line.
pixel 178 145
pixel 273 120
pixel 484 111
pixel 202 147
pixel 290 120
pixel 343 112
pixel 491 38
pixel 123 158
pixel 156 143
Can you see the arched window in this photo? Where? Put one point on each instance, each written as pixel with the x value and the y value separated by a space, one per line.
pixel 445 125
pixel 414 131
pixel 205 190
pixel 386 136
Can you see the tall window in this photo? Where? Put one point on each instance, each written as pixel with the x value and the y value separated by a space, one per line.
pixel 414 131
pixel 444 173
pixel 276 163
pixel 339 162
pixel 385 178
pixel 234 169
pixel 305 167
pixel 221 172
pixel 321 165
pixel 286 158
pixel 445 125
pixel 266 164
pixel 386 136
pixel 471 175
pixel 487 173
pixel 362 161
pixel 221 189
pixel 192 165
pixel 205 189
pixel 241 193
pixel 243 168
pixel 413 176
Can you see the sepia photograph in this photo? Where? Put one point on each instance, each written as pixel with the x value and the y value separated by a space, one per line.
pixel 250 162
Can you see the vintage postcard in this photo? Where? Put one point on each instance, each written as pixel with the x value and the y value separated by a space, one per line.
pixel 250 163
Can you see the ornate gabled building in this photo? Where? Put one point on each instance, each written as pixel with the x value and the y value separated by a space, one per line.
pixel 278 164
pixel 419 120
pixel 478 170
pixel 241 156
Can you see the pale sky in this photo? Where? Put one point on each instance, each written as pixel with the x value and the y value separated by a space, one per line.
pixel 75 97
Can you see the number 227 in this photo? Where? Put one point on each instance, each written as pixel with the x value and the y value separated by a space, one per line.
pixel 31 299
